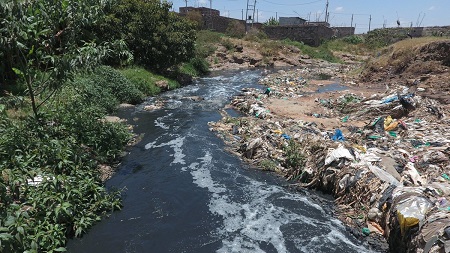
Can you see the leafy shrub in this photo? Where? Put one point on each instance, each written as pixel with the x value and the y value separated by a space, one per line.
pixel 236 29
pixel 268 165
pixel 320 52
pixel 269 48
pixel 294 157
pixel 353 39
pixel 39 216
pixel 271 22
pixel 158 38
pixel 196 18
pixel 145 80
pixel 201 65
pixel 228 44
pixel 108 78
pixel 89 93
pixel 208 37
pixel 255 35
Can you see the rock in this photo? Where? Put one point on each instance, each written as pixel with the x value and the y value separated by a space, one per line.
pixel 126 105
pixel 113 119
pixel 195 98
pixel 237 59
pixel 151 107
pixel 239 48
pixel 255 60
pixel 221 55
pixel 162 84
pixel 305 57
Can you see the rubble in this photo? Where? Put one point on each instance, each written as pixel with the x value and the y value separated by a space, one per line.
pixel 383 154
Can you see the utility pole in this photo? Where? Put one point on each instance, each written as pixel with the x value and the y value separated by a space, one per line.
pixel 250 19
pixel 242 14
pixel 326 13
pixel 186 2
pixel 370 21
pixel 351 23
pixel 257 15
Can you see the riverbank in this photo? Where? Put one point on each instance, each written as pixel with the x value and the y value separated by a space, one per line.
pixel 384 159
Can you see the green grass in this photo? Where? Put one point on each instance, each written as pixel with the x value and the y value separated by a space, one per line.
pixel 145 80
pixel 320 52
pixel 208 37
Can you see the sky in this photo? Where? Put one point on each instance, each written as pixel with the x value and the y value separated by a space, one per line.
pixel 377 13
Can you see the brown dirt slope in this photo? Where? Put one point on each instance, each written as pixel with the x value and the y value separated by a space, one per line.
pixel 421 63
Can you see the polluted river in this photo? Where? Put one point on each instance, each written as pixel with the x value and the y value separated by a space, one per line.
pixel 182 192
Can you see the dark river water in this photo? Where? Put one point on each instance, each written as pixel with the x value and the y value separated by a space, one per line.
pixel 184 193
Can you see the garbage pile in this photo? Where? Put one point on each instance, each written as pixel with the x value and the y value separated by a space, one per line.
pixel 390 178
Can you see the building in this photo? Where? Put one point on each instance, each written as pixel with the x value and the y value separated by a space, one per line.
pixel 292 21
pixel 203 10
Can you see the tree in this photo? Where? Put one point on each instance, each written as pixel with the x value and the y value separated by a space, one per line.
pixel 157 37
pixel 196 18
pixel 271 22
pixel 236 29
pixel 45 41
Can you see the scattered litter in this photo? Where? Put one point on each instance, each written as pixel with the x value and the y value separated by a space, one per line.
pixel 390 176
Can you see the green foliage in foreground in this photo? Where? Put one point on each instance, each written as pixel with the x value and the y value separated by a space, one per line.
pixel 61 152
pixel 70 198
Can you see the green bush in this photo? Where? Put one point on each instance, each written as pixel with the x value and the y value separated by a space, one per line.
pixel 353 39
pixel 320 52
pixel 255 35
pixel 111 79
pixel 200 64
pixel 38 217
pixel 294 157
pixel 158 38
pixel 145 80
pixel 196 67
pixel 208 37
pixel 88 93
pixel 236 29
pixel 228 44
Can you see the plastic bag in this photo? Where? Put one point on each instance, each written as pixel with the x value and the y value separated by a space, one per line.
pixel 411 211
pixel 383 175
pixel 338 136
pixel 337 154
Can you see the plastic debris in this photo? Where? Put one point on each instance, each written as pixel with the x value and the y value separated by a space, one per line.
pixel 338 136
pixel 392 170
pixel 338 153
pixel 365 231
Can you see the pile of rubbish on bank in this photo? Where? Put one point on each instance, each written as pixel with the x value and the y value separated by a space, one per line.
pixel 390 178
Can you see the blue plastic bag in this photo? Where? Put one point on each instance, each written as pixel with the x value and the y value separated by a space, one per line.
pixel 338 136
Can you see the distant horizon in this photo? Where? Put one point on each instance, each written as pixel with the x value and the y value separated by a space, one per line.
pixel 378 14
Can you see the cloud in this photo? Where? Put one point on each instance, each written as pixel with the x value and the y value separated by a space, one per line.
pixel 431 8
pixel 202 2
pixel 338 9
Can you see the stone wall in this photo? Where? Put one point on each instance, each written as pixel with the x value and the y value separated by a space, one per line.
pixel 343 31
pixel 418 31
pixel 310 35
pixel 436 31
pixel 220 24
pixel 202 10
